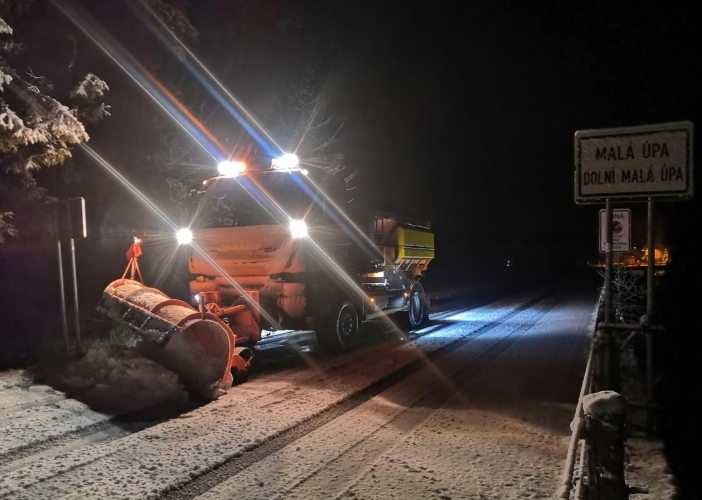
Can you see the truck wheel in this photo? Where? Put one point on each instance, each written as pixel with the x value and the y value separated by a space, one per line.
pixel 339 331
pixel 416 311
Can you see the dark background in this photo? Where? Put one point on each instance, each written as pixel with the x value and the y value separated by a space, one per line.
pixel 459 112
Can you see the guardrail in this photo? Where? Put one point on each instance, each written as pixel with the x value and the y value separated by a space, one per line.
pixel 565 485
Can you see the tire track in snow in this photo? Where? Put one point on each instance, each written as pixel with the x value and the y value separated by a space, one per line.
pixel 509 425
pixel 330 363
pixel 369 340
pixel 373 334
pixel 242 462
pixel 110 428
pixel 192 442
pixel 106 429
pixel 358 459
pixel 414 401
pixel 8 410
pixel 51 442
pixel 60 447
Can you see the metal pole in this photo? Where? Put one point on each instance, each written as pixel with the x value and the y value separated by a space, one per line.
pixel 63 300
pixel 651 262
pixel 608 294
pixel 649 307
pixel 75 294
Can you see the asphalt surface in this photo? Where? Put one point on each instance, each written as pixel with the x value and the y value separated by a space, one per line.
pixel 476 404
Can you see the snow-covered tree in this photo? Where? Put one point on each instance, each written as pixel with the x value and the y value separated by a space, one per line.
pixel 36 129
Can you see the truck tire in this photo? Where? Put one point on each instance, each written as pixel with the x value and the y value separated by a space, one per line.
pixel 417 309
pixel 338 331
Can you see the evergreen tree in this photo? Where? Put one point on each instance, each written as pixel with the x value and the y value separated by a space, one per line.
pixel 38 124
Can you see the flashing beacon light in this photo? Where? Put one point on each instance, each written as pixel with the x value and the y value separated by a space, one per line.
pixel 231 168
pixel 288 161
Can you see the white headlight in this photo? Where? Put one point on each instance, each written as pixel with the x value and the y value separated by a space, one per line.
pixel 298 228
pixel 231 168
pixel 184 236
pixel 288 161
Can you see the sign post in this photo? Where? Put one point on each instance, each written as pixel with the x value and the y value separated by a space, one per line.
pixel 635 164
pixel 649 300
pixel 64 321
pixel 608 294
pixel 69 223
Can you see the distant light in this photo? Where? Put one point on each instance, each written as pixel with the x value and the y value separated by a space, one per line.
pixel 231 168
pixel 298 228
pixel 304 171
pixel 184 236
pixel 288 161
pixel 137 240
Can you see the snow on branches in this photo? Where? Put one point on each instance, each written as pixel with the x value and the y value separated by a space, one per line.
pixel 4 28
pixel 6 228
pixel 36 129
pixel 87 93
pixel 5 79
pixel 47 123
pixel 91 88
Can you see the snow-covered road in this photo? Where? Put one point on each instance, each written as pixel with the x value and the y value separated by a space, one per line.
pixel 476 405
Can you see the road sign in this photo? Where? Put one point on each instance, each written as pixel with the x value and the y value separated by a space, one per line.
pixel 68 219
pixel 621 230
pixel 634 162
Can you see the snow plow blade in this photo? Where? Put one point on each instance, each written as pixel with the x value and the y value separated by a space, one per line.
pixel 199 347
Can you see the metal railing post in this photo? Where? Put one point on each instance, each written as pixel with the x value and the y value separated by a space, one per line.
pixel 649 312
pixel 566 482
pixel 608 295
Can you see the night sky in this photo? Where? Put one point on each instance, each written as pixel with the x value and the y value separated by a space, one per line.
pixel 459 112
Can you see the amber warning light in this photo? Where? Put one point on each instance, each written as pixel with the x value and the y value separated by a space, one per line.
pixel 231 168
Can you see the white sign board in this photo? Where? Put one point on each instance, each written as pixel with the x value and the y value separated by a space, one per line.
pixel 621 230
pixel 634 162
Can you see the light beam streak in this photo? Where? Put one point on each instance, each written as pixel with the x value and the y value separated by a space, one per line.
pixel 155 209
pixel 355 232
pixel 156 91
pixel 337 270
pixel 244 122
pixel 153 88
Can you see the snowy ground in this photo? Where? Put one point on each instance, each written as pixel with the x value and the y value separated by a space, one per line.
pixel 646 467
pixel 475 406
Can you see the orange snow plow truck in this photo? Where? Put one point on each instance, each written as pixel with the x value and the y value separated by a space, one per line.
pixel 271 250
